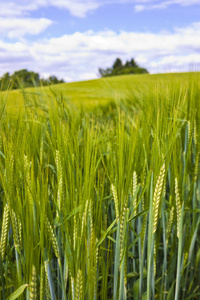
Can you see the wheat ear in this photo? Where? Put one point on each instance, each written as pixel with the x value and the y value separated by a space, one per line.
pixel 33 285
pixel 114 192
pixel 46 283
pixel 52 237
pixel 178 205
pixel 60 179
pixel 134 190
pixel 122 226
pixel 4 230
pixel 170 223
pixel 79 286
pixel 42 282
pixel 196 166
pixel 157 197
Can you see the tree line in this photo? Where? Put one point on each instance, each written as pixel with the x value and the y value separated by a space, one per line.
pixel 118 68
pixel 25 78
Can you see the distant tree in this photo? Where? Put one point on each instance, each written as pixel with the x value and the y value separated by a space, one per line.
pixel 130 67
pixel 54 80
pixel 5 82
pixel 131 63
pixel 105 73
pixel 25 78
pixel 44 82
pixel 117 64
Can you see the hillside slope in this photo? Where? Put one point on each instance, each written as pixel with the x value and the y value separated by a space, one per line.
pixel 101 91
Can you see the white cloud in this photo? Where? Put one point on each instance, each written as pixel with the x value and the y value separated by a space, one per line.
pixel 139 8
pixel 15 28
pixel 78 56
pixel 153 4
pixel 78 8
pixel 17 8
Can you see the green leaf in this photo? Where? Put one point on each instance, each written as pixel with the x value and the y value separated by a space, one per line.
pixel 106 233
pixel 132 274
pixel 50 280
pixel 51 167
pixel 132 217
pixel 171 291
pixel 196 210
pixel 18 292
pixel 117 261
pixel 198 257
pixel 1 153
pixel 74 212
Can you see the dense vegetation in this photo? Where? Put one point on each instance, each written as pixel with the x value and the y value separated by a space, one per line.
pixel 24 78
pixel 101 203
pixel 130 67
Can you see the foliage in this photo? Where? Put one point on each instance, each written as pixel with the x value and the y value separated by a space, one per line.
pixel 24 78
pixel 130 67
pixel 101 204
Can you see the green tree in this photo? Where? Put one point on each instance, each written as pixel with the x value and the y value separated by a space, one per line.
pixel 25 78
pixel 5 82
pixel 105 73
pixel 117 64
pixel 130 67
pixel 54 80
pixel 131 63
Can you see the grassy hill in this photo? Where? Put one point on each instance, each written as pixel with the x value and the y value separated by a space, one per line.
pixel 100 190
pixel 101 91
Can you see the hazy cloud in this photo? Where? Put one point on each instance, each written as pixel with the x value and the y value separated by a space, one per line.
pixel 16 28
pixel 78 56
pixel 142 5
pixel 80 8
pixel 17 8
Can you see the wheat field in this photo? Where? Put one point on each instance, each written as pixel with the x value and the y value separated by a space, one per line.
pixel 101 203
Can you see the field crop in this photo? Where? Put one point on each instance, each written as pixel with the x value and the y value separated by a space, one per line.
pixel 100 190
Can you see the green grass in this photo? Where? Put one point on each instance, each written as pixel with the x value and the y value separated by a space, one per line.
pixel 101 91
pixel 100 189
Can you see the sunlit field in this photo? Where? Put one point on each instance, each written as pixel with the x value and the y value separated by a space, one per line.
pixel 100 189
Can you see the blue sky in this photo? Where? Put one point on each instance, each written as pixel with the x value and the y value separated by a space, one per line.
pixel 73 38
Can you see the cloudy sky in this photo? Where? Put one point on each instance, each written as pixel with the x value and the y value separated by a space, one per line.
pixel 73 38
